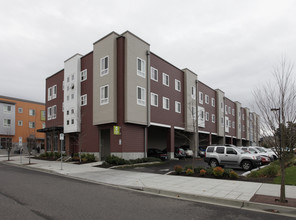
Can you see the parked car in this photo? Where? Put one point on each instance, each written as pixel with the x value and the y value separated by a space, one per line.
pixel 179 153
pixel 272 155
pixel 254 150
pixel 231 155
pixel 154 152
pixel 188 151
pixel 201 151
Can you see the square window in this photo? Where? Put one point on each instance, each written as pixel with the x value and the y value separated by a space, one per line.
pixel 177 85
pixel 165 79
pixel 104 95
pixel 31 124
pixel 141 96
pixel 141 67
pixel 104 67
pixel 20 110
pixel 177 107
pixel 165 103
pixel 154 99
pixel 31 112
pixel 7 122
pixel 20 123
pixel 154 74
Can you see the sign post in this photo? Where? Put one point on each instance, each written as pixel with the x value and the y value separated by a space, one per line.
pixel 61 138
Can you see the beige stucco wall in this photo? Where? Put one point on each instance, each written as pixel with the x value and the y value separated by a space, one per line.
pixel 220 112
pixel 105 113
pixel 238 120
pixel 135 48
pixel 189 82
pixel 247 118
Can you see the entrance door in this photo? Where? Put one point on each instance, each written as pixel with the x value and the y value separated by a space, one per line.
pixel 105 143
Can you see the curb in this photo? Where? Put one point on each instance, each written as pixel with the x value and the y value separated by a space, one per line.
pixel 267 208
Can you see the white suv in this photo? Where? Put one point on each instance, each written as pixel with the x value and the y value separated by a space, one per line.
pixel 231 155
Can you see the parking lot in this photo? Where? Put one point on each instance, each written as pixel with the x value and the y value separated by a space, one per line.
pixel 168 166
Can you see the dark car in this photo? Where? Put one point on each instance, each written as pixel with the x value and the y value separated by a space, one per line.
pixel 179 153
pixel 154 152
pixel 201 151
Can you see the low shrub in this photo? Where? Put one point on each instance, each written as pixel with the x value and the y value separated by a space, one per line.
pixel 90 158
pixel 189 172
pixel 209 171
pixel 202 172
pixel 186 167
pixel 198 169
pixel 227 173
pixel 233 175
pixel 218 171
pixel 178 169
pixel 270 171
pixel 254 174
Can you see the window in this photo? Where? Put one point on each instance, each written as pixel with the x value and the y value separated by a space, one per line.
pixel 49 113
pixel 233 124
pixel 141 96
pixel 222 107
pixel 68 98
pixel 222 121
pixel 220 150
pixel 201 117
pixel 7 122
pixel 72 111
pixel 68 79
pixel 229 110
pixel 31 112
pixel 177 85
pixel 20 110
pixel 213 118
pixel 104 95
pixel 165 79
pixel 213 102
pixel 154 99
pixel 154 74
pixel 49 93
pixel 20 123
pixel 42 115
pixel 72 121
pixel 31 124
pixel 230 151
pixel 104 68
pixel 141 67
pixel 193 92
pixel 177 107
pixel 226 109
pixel 207 116
pixel 72 76
pixel 54 112
pixel 200 97
pixel 72 96
pixel 83 100
pixel 233 112
pixel 54 94
pixel 7 108
pixel 193 112
pixel 207 99
pixel 83 75
pixel 165 103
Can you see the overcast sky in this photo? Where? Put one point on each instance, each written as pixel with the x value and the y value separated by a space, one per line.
pixel 232 45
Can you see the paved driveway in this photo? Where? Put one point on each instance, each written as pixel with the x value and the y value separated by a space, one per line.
pixel 169 165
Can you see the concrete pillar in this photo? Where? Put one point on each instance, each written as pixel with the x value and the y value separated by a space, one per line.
pixel 210 139
pixel 171 142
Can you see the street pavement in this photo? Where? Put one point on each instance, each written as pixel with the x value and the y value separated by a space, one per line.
pixel 215 191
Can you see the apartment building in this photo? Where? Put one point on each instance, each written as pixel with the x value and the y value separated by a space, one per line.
pixel 19 121
pixel 122 99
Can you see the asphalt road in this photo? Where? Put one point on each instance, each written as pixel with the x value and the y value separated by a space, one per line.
pixel 169 165
pixel 27 194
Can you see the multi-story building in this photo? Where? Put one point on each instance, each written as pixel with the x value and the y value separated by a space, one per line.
pixel 122 99
pixel 19 121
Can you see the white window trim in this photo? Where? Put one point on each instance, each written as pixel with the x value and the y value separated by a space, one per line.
pixel 200 97
pixel 177 107
pixel 164 76
pixel 213 118
pixel 54 112
pixel 141 72
pixel 20 110
pixel 83 75
pixel 213 102
pixel 5 122
pixel 156 98
pixel 207 116
pixel 142 100
pixel 83 100
pixel 164 103
pixel 178 85
pixel 20 123
pixel 104 71
pixel 105 100
pixel 154 70
pixel 54 91
pixel 32 124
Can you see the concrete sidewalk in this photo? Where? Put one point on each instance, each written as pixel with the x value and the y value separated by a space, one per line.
pixel 215 191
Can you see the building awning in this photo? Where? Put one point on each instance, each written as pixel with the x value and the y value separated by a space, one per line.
pixel 51 129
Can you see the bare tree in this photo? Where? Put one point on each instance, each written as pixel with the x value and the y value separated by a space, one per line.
pixel 276 102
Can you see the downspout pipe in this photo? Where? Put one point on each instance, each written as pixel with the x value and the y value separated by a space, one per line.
pixel 147 102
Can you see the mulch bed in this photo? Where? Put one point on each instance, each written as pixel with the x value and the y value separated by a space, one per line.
pixel 273 200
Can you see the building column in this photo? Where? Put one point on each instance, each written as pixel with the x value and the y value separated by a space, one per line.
pixel 171 142
pixel 67 144
pixel 210 138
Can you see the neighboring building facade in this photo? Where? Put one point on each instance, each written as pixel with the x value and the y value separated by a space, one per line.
pixel 122 99
pixel 19 121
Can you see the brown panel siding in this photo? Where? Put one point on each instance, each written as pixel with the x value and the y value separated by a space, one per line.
pixel 56 79
pixel 206 90
pixel 158 114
